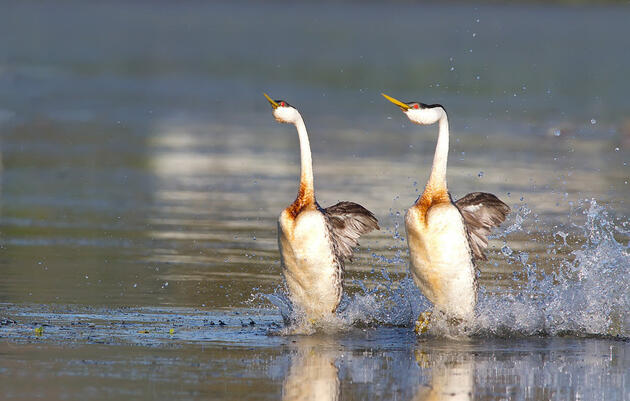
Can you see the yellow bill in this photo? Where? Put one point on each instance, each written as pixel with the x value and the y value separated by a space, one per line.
pixel 396 102
pixel 273 104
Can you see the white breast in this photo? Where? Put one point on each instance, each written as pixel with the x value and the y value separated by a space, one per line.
pixel 440 259
pixel 312 275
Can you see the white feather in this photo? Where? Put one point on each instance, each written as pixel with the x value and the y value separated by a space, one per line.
pixel 440 259
pixel 309 267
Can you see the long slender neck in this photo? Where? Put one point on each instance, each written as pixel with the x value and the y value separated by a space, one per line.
pixel 437 180
pixel 307 191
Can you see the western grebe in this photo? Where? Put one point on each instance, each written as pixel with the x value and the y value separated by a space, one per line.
pixel 446 237
pixel 314 242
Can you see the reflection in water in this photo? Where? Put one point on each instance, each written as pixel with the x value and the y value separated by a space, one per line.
pixel 312 374
pixel 90 347
pixel 143 172
pixel 451 377
pixel 365 367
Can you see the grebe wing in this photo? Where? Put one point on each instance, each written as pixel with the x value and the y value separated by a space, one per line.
pixel 481 212
pixel 348 221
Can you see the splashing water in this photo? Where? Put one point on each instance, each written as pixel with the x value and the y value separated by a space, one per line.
pixel 391 303
pixel 586 294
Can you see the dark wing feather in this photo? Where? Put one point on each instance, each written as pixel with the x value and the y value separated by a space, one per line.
pixel 481 212
pixel 348 221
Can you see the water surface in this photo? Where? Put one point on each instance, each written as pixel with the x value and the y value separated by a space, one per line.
pixel 142 175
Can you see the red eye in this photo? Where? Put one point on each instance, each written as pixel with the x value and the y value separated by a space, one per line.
pixel 415 106
pixel 282 104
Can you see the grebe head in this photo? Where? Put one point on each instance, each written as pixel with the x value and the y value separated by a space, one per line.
pixel 420 113
pixel 283 111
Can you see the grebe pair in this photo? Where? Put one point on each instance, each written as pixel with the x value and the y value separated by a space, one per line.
pixel 444 237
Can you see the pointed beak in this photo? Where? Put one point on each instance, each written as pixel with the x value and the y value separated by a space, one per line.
pixel 270 100
pixel 398 103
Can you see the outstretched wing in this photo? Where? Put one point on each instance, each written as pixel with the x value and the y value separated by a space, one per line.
pixel 481 212
pixel 348 221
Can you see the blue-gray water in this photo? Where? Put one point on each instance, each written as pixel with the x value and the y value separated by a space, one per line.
pixel 142 174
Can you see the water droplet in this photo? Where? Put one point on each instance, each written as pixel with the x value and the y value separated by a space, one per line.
pixel 556 132
pixel 86 277
pixel 477 20
pixel 135 285
pixel 474 35
pixel 562 235
pixel 477 77
pixel 452 68
pixel 593 121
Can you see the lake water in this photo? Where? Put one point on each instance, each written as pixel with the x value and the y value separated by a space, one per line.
pixel 142 175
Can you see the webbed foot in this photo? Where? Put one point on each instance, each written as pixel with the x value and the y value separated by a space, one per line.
pixel 422 324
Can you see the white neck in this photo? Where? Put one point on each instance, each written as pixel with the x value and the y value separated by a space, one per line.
pixel 306 177
pixel 438 172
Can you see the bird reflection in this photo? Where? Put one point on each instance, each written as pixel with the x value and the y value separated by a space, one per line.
pixel 451 377
pixel 312 374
